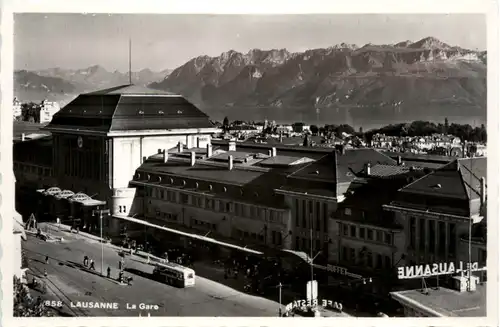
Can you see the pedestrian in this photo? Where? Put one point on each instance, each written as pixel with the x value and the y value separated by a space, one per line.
pixel 92 264
pixel 149 259
pixel 109 272
pixel 120 265
pixel 45 272
pixel 46 259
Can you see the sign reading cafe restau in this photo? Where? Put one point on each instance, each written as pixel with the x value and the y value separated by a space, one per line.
pixel 435 269
pixel 313 303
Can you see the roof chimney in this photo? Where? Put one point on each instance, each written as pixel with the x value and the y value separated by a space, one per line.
pixel 23 137
pixel 209 150
pixel 144 159
pixel 232 146
pixel 193 158
pixel 197 142
pixel 230 162
pixel 165 155
pixel 273 152
pixel 270 153
pixel 400 161
pixel 180 147
pixel 159 151
pixel 368 169
pixel 483 190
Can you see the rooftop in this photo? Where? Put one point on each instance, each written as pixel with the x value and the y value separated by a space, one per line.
pixel 129 107
pixel 459 179
pixel 28 129
pixel 447 302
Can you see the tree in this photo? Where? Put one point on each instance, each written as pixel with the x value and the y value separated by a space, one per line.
pixel 314 129
pixel 360 130
pixel 30 112
pixel 446 125
pixel 24 305
pixel 225 124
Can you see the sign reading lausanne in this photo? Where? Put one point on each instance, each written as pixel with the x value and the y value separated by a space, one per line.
pixel 435 269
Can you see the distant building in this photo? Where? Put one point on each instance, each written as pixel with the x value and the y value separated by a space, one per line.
pixel 16 108
pixel 47 110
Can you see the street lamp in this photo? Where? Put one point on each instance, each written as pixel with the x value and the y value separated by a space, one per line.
pixel 101 213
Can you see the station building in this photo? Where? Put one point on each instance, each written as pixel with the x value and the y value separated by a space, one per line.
pixel 97 142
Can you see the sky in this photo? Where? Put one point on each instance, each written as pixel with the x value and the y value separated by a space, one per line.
pixel 159 42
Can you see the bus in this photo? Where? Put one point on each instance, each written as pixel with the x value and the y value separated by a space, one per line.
pixel 174 274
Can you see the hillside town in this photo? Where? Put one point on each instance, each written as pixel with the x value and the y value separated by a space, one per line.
pixel 41 113
pixel 299 134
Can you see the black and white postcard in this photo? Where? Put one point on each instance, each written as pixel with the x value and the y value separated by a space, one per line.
pixel 275 163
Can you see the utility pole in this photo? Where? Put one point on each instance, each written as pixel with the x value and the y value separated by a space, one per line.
pixel 101 213
pixel 280 286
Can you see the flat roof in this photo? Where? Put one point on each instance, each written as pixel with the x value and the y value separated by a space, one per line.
pixel 448 302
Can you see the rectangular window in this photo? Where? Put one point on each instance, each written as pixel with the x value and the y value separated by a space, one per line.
pixel 362 232
pixel 310 207
pixel 388 263
pixel 304 214
pixel 412 229
pixel 325 217
pixel 441 238
pixel 369 259
pixel 432 235
pixel 370 234
pixel 253 212
pixel 379 261
pixel 345 229
pixel 380 236
pixel 280 238
pixel 297 213
pixel 388 238
pixel 273 237
pixel 161 194
pixel 297 243
pixel 317 246
pixel 228 207
pixel 184 198
pixel 422 234
pixel 305 244
pixel 452 239
pixel 353 231
pixel 345 254
pixel 352 255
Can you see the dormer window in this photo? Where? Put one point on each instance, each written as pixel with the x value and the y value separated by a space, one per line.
pixel 210 187
pixel 171 180
pixel 160 112
pixel 159 179
pixel 224 189
pixel 141 112
pixel 183 183
pixel 196 185
pixel 149 177
pixel 179 112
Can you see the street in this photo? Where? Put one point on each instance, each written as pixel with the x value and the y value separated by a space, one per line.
pixel 69 283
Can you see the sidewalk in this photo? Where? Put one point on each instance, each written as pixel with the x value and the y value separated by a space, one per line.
pixel 216 273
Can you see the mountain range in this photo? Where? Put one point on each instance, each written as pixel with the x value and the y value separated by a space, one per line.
pixel 64 84
pixel 345 83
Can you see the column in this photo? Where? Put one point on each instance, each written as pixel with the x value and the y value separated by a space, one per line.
pixel 427 238
pixel 436 239
pixel 447 240
pixel 417 236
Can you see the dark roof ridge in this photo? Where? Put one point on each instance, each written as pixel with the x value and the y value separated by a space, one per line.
pixel 464 185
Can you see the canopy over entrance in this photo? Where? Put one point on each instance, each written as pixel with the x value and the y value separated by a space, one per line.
pixel 191 235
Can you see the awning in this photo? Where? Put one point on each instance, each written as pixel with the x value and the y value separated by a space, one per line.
pixel 191 235
pixel 92 203
pixel 64 194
